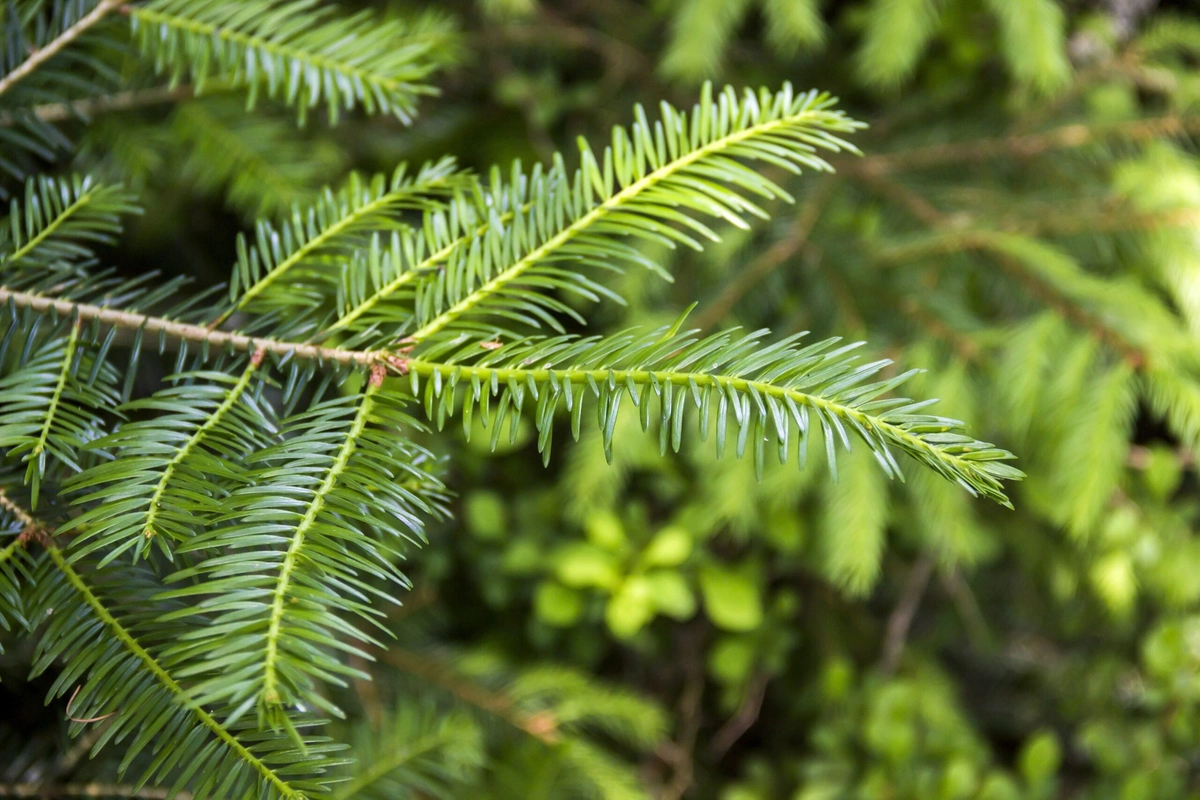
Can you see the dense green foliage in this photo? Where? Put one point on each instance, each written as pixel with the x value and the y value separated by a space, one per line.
pixel 279 382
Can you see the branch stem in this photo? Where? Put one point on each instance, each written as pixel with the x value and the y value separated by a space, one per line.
pixel 41 56
pixel 42 790
pixel 132 320
pixel 1062 138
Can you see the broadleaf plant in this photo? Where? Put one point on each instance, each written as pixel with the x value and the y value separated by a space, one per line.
pixel 203 559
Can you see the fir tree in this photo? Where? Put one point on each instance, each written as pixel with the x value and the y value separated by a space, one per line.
pixel 203 565
pixel 249 550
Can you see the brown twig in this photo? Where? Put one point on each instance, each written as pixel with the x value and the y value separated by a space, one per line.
pixel 901 619
pixel 679 752
pixel 968 608
pixel 984 241
pixel 542 725
pixel 45 791
pixel 39 57
pixel 121 101
pixel 1113 220
pixel 743 719
pixel 1025 146
pixel 770 259
pixel 130 320
pixel 21 515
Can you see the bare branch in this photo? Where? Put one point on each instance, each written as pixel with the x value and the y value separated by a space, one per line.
pixel 902 616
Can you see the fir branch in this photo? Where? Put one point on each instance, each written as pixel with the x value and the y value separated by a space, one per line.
pixel 301 548
pixel 58 222
pixel 75 205
pixel 294 49
pixel 973 469
pixel 270 692
pixel 766 388
pixel 48 413
pixel 44 54
pixel 333 225
pixel 771 119
pixel 180 695
pixel 214 419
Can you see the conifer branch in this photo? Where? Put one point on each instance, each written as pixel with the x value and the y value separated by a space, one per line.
pixel 771 397
pixel 294 49
pixel 52 408
pixel 44 54
pixel 283 583
pixel 231 399
pixel 721 144
pixel 181 696
pixel 76 205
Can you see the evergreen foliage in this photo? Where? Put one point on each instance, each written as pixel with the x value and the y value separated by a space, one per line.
pixel 242 557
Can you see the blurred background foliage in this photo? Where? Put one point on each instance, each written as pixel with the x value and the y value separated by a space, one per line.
pixel 1024 224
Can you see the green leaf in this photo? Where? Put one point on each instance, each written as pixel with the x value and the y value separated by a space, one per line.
pixel 557 605
pixel 1040 758
pixel 630 607
pixel 671 594
pixel 584 566
pixel 486 515
pixel 732 598
pixel 732 658
pixel 670 547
